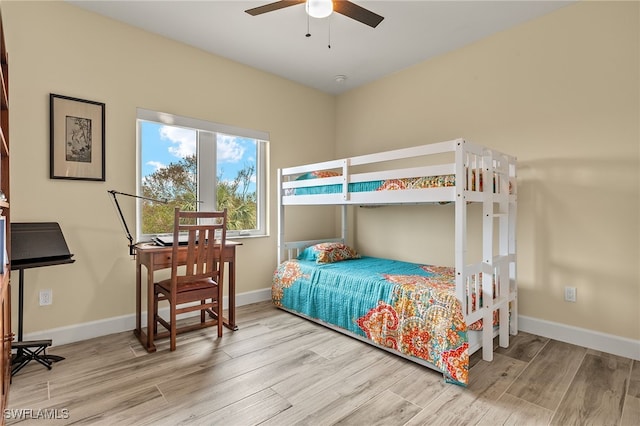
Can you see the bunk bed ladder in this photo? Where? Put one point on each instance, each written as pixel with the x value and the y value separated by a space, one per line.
pixel 512 189
pixel 501 193
pixel 489 300
pixel 496 254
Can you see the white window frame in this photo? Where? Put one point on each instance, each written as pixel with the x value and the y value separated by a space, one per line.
pixel 208 202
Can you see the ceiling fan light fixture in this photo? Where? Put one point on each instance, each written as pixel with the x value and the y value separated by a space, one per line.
pixel 319 8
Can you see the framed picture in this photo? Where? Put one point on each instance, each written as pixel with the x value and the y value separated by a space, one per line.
pixel 76 138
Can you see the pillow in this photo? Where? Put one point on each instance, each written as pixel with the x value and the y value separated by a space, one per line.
pixel 328 253
pixel 315 175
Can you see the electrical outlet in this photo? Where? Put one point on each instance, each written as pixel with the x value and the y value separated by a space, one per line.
pixel 570 294
pixel 46 297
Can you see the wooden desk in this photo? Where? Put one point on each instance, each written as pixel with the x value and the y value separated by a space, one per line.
pixel 154 258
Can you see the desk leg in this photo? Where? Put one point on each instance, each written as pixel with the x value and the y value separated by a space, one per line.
pixel 151 347
pixel 231 322
pixel 146 339
pixel 138 329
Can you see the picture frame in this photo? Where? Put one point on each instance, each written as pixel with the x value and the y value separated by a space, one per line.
pixel 77 142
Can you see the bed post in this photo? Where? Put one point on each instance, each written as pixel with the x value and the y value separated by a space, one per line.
pixel 280 213
pixel 344 223
pixel 461 227
pixel 489 276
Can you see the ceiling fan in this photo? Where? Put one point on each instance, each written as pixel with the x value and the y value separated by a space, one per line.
pixel 323 8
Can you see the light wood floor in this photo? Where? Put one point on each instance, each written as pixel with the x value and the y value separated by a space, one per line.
pixel 279 369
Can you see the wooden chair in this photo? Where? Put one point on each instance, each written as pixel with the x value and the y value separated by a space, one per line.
pixel 197 273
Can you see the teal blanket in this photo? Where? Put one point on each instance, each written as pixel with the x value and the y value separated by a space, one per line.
pixel 406 307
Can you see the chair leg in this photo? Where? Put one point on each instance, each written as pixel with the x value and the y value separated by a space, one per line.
pixel 219 310
pixel 203 312
pixel 172 333
pixel 155 314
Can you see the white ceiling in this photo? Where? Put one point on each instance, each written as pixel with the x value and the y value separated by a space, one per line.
pixel 411 32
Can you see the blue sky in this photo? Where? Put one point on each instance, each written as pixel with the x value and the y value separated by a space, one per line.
pixel 162 145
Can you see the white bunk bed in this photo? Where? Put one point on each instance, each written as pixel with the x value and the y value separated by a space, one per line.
pixel 457 172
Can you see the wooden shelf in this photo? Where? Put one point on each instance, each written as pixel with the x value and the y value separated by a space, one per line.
pixel 5 287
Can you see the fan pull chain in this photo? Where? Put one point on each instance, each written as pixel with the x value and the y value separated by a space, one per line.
pixel 308 34
pixel 329 21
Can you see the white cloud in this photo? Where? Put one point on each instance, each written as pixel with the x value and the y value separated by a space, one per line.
pixel 184 140
pixel 229 150
pixel 156 165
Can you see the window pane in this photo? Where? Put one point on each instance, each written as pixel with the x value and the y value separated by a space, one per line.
pixel 236 176
pixel 169 172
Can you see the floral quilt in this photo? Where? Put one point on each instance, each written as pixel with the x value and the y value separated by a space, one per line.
pixel 405 307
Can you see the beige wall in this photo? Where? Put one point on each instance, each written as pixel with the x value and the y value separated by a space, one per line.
pixel 58 48
pixel 562 94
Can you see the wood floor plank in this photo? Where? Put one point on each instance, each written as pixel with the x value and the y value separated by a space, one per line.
pixel 460 405
pixel 137 373
pixel 523 346
pixel 291 331
pixel 114 347
pixel 329 374
pixel 28 395
pixel 511 411
pixel 634 380
pixel 330 405
pixel 387 408
pixel 597 393
pixel 251 410
pixel 421 386
pixel 206 395
pixel 291 353
pixel 212 381
pixel 547 377
pixel 337 346
pixel 631 411
pixel 112 408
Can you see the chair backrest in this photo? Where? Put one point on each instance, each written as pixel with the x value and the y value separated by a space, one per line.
pixel 206 234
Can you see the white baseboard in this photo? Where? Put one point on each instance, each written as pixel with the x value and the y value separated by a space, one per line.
pixel 596 340
pixel 609 343
pixel 89 330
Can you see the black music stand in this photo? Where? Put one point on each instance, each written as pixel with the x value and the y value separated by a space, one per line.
pixel 35 245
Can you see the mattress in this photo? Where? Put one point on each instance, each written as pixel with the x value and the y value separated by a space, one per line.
pixel 404 307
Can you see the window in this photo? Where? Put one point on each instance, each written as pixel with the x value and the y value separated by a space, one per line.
pixel 199 165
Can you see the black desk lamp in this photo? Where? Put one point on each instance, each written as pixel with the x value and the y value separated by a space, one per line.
pixel 124 222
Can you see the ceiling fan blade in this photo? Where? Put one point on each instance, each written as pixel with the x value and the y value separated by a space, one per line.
pixel 273 6
pixel 356 12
